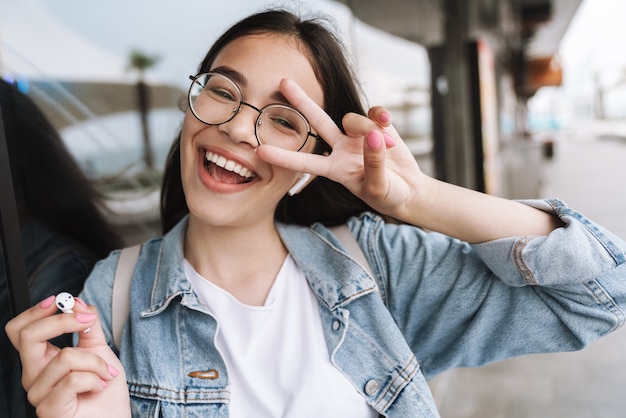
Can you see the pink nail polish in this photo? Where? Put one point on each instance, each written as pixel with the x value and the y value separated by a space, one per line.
pixel 374 140
pixel 113 371
pixel 85 318
pixel 384 117
pixel 45 304
pixel 389 141
pixel 79 300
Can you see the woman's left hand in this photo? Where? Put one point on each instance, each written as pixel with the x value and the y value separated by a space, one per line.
pixel 370 159
pixel 373 162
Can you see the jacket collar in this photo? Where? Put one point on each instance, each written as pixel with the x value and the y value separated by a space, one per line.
pixel 333 275
pixel 169 280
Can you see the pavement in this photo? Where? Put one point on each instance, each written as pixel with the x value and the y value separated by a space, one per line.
pixel 587 172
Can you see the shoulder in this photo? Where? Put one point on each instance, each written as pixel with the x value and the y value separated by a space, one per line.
pixel 377 234
pixel 98 287
pixel 372 232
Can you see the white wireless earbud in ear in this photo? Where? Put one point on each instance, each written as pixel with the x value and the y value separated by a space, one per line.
pixel 302 181
pixel 65 302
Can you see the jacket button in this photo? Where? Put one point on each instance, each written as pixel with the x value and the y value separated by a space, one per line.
pixel 336 325
pixel 371 387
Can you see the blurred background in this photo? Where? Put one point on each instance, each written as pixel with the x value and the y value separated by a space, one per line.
pixel 517 98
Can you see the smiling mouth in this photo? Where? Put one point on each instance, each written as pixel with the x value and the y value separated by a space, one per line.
pixel 226 171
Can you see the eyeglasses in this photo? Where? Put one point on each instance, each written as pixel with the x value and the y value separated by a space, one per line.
pixel 215 99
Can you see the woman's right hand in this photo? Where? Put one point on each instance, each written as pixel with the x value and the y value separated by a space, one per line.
pixel 83 381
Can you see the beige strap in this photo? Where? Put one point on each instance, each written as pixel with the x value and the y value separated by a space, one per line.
pixel 343 234
pixel 120 303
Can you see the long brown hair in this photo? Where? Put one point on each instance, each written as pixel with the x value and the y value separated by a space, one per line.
pixel 49 184
pixel 323 200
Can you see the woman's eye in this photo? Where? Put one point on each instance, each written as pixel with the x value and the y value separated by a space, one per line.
pixel 222 94
pixel 284 123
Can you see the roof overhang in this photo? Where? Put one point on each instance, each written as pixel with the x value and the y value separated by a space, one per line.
pixel 539 24
pixel 531 30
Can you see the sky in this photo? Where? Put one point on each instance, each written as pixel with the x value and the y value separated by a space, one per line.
pixel 180 32
pixel 83 39
pixel 91 41
pixel 591 49
pixel 594 41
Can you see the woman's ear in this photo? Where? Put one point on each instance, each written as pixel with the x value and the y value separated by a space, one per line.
pixel 303 180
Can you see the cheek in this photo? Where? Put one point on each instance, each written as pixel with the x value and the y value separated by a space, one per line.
pixel 284 179
pixel 189 125
pixel 188 157
pixel 186 154
pixel 189 130
pixel 310 145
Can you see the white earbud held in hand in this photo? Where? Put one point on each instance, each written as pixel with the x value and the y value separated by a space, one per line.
pixel 65 302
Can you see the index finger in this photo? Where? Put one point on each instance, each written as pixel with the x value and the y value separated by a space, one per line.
pixel 43 309
pixel 316 116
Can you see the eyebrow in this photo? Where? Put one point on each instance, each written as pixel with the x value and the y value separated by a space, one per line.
pixel 242 82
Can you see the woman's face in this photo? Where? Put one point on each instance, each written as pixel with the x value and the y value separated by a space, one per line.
pixel 219 196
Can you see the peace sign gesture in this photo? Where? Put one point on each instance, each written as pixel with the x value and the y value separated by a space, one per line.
pixel 373 162
pixel 370 159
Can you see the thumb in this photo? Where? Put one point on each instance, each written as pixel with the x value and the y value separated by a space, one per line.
pixel 94 335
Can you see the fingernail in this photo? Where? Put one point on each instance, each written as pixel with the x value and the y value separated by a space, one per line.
pixel 374 140
pixel 113 371
pixel 389 141
pixel 45 304
pixel 85 318
pixel 384 117
pixel 79 300
pixel 104 384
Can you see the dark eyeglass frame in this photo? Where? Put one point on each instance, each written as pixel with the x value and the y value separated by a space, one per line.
pixel 237 109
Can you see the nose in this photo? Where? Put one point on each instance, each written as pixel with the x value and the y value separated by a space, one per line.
pixel 241 128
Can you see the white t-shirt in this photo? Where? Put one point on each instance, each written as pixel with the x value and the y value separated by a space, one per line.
pixel 276 355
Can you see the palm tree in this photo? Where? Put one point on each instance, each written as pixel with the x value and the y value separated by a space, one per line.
pixel 141 62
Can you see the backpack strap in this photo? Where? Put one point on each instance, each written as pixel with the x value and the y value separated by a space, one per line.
pixel 120 302
pixel 343 234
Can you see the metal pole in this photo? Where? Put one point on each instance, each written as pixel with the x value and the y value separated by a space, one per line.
pixel 12 244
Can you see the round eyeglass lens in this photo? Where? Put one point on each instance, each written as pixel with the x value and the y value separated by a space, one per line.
pixel 283 127
pixel 214 99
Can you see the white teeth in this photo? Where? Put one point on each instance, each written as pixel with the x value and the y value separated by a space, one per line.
pixel 229 165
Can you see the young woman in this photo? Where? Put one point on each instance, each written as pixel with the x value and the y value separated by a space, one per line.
pixel 250 306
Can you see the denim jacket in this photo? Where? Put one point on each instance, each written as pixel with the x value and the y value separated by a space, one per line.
pixel 435 303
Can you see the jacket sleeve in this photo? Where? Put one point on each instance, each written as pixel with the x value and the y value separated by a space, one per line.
pixel 462 305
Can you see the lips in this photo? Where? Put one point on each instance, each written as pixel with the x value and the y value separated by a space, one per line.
pixel 226 171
